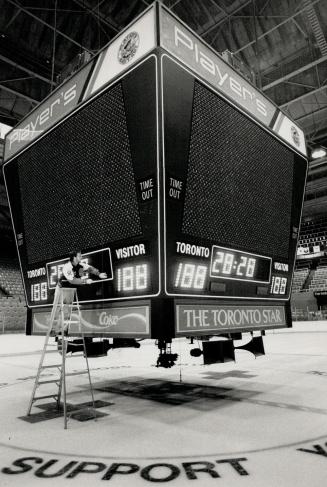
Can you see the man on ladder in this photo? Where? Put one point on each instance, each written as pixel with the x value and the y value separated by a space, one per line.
pixel 65 311
pixel 74 273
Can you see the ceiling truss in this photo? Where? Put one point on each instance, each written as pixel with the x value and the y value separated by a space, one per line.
pixel 218 16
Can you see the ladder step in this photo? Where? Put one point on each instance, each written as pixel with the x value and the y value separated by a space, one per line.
pixel 38 398
pixel 77 373
pixel 50 366
pixel 53 381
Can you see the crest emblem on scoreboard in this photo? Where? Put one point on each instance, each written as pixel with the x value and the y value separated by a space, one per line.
pixel 295 136
pixel 128 47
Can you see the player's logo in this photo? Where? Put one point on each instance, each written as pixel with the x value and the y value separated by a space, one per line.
pixel 128 47
pixel 295 135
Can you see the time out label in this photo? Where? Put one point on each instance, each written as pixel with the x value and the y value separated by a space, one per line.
pixel 190 318
pixel 147 189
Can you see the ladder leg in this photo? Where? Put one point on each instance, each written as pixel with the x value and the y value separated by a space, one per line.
pixel 37 376
pixel 89 376
pixel 59 389
pixel 52 317
pixel 85 355
pixel 63 368
pixel 64 386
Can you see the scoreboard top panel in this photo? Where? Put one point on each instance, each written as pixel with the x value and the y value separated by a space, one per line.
pixel 137 40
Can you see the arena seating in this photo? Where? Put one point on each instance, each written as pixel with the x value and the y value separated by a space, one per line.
pixel 10 277
pixel 299 278
pixel 12 300
pixel 313 232
pixel 12 314
pixel 311 274
pixel 319 280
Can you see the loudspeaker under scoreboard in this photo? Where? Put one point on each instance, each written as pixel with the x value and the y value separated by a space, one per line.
pixel 172 174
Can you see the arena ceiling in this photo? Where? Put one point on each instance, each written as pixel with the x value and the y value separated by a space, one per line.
pixel 281 44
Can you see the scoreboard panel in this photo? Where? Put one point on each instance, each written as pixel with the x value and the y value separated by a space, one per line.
pixel 172 174
pixel 90 184
pixel 233 196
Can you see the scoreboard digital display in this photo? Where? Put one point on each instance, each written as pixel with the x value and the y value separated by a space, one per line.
pixel 233 197
pixel 172 175
pixel 232 264
pixel 89 185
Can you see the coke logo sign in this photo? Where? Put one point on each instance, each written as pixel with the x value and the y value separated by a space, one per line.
pixel 107 319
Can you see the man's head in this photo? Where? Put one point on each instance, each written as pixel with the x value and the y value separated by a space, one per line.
pixel 75 257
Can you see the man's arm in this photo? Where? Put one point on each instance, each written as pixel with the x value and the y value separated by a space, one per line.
pixel 79 281
pixel 94 271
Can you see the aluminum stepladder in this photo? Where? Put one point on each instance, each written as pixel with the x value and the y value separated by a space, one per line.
pixel 65 312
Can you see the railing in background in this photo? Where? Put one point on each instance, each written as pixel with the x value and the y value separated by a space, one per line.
pixel 12 314
pixel 299 314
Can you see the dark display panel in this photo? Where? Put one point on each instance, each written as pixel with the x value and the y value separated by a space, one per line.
pixel 230 202
pixel 91 185
pixel 86 165
pixel 233 197
pixel 247 177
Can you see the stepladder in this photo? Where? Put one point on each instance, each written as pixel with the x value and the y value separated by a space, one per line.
pixel 65 322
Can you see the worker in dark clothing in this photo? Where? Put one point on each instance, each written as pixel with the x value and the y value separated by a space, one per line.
pixel 73 275
pixel 73 272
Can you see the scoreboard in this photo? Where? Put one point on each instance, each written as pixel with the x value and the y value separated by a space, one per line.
pixel 234 200
pixel 169 172
pixel 88 185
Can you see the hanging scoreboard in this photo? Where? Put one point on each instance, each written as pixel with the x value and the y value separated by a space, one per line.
pixel 172 174
pixel 233 197
pixel 89 185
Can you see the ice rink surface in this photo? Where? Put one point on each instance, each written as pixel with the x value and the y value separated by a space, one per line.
pixel 257 422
